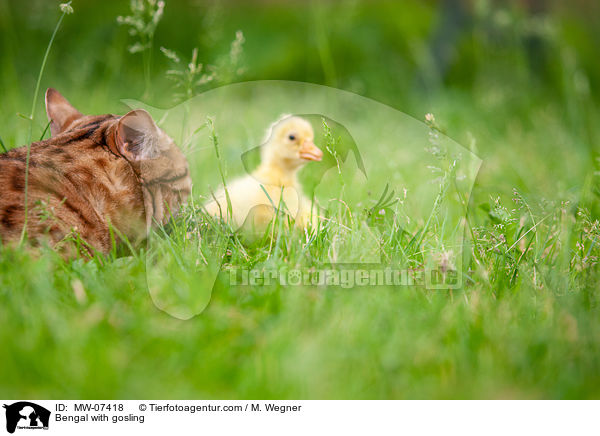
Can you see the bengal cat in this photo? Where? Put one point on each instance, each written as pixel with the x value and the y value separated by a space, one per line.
pixel 102 177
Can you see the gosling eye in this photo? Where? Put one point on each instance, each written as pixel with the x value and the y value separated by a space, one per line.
pixel 292 137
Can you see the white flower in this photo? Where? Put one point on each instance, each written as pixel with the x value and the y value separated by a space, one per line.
pixel 66 8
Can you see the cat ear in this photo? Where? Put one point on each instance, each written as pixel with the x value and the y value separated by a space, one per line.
pixel 60 112
pixel 137 136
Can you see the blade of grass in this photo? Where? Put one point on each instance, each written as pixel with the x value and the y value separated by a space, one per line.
pixel 66 9
pixel 45 130
pixel 215 140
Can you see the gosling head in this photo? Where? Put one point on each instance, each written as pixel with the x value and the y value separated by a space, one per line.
pixel 291 144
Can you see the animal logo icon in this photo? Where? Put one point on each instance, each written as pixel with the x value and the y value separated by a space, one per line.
pixel 26 415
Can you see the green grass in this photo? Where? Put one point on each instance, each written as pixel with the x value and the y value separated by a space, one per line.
pixel 526 322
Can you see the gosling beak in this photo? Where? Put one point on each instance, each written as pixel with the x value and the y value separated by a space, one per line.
pixel 310 151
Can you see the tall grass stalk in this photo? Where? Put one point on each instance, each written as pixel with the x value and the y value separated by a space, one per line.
pixel 66 9
pixel 215 140
pixel 142 23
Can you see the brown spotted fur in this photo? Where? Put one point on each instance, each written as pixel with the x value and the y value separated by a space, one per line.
pixel 92 174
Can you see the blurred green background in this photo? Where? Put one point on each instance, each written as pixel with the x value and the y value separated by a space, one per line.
pixel 517 82
pixel 488 70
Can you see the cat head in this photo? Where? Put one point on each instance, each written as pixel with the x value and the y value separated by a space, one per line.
pixel 160 166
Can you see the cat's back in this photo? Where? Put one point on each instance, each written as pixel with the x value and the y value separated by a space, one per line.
pixel 100 178
pixel 73 179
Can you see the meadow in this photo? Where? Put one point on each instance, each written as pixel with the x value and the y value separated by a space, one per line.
pixel 516 96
